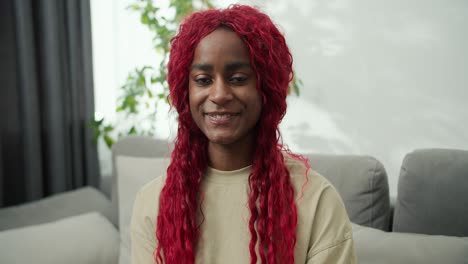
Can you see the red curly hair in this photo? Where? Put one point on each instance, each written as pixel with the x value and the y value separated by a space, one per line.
pixel 273 215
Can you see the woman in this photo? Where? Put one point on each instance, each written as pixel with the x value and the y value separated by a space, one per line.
pixel 232 192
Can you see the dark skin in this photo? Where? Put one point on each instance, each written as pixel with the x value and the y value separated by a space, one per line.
pixel 224 101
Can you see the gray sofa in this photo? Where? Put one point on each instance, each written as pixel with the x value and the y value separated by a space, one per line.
pixel 427 224
pixel 428 221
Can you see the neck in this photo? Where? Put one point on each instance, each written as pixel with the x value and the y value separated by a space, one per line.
pixel 231 157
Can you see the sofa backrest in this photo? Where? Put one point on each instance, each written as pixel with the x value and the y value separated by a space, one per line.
pixel 362 183
pixel 432 193
pixel 360 180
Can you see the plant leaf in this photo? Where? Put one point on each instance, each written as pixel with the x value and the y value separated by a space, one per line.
pixel 109 141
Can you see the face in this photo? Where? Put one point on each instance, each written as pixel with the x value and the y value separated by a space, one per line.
pixel 224 101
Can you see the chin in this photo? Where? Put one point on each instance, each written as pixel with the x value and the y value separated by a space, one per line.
pixel 221 140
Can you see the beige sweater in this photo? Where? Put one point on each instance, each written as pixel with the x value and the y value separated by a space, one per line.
pixel 324 232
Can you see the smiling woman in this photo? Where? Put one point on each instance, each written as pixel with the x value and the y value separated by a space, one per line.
pixel 232 192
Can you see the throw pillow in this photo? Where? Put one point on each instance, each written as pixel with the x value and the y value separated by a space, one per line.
pixel 132 174
pixel 84 239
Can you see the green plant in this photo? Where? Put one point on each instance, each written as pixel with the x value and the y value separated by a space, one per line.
pixel 146 86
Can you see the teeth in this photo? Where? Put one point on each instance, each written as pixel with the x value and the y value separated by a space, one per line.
pixel 223 115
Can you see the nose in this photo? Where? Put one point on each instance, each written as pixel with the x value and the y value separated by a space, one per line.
pixel 220 93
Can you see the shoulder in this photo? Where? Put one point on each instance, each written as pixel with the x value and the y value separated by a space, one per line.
pixel 306 181
pixel 151 188
pixel 314 191
pixel 321 211
pixel 143 221
pixel 146 203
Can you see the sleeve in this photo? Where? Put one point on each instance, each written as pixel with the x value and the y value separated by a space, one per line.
pixel 332 237
pixel 142 232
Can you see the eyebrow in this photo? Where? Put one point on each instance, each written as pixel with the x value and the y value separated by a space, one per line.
pixel 228 67
pixel 202 67
pixel 236 65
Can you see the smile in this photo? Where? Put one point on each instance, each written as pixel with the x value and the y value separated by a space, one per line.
pixel 221 118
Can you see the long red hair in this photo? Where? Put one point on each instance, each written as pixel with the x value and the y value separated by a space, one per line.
pixel 273 215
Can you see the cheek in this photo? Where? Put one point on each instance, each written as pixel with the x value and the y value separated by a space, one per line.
pixel 196 103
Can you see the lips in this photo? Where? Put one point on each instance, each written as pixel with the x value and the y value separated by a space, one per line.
pixel 221 118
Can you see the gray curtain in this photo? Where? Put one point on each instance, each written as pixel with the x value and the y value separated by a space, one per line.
pixel 47 99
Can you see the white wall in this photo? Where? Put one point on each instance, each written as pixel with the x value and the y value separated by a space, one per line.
pixel 120 44
pixel 381 78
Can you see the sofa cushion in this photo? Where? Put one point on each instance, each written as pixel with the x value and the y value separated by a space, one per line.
pixel 132 174
pixel 362 183
pixel 375 246
pixel 84 239
pixel 55 207
pixel 432 193
pixel 134 146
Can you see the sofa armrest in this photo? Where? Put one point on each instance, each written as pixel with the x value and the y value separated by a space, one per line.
pixel 55 207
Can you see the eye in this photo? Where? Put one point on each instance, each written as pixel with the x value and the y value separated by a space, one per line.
pixel 238 79
pixel 203 81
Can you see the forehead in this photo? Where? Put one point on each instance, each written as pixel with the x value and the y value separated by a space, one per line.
pixel 221 45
